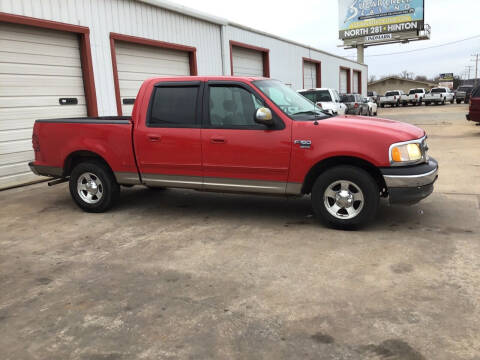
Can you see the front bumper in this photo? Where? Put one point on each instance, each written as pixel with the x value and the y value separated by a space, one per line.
pixel 409 185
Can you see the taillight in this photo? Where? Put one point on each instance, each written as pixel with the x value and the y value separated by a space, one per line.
pixel 356 105
pixel 394 98
pixel 35 143
pixel 416 96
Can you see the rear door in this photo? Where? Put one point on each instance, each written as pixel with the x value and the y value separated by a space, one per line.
pixel 168 144
pixel 239 154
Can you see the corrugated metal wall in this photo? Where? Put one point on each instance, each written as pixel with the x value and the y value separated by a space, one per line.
pixel 286 59
pixel 134 18
pixel 128 17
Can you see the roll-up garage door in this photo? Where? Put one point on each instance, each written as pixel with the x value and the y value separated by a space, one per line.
pixel 309 75
pixel 247 62
pixel 343 81
pixel 38 67
pixel 136 62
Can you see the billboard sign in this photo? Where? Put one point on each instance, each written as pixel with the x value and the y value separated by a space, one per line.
pixel 366 18
pixel 446 80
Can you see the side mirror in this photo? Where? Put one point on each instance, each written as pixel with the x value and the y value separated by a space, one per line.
pixel 264 116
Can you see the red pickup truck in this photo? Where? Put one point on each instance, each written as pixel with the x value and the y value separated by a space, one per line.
pixel 241 135
pixel 474 108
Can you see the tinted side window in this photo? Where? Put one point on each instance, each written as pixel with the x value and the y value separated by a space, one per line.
pixel 476 92
pixel 174 107
pixel 233 107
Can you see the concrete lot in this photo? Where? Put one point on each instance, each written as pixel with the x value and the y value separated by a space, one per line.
pixel 188 275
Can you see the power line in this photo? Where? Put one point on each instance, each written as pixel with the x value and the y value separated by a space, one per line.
pixel 426 48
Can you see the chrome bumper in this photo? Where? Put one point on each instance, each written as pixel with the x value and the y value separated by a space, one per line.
pixel 409 185
pixel 414 180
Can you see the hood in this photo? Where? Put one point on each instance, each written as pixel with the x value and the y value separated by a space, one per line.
pixel 390 130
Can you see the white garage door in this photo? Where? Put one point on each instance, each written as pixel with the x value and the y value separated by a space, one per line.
pixel 247 62
pixel 355 82
pixel 309 75
pixel 135 63
pixel 37 68
pixel 343 81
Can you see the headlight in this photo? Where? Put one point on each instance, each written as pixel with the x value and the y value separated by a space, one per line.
pixel 408 153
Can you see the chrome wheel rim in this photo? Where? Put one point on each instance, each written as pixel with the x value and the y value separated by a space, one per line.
pixel 90 188
pixel 344 199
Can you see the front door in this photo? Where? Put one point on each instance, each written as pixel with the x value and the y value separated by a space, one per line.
pixel 168 146
pixel 239 154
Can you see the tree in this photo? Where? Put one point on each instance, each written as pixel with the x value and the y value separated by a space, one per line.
pixel 421 78
pixel 372 78
pixel 406 75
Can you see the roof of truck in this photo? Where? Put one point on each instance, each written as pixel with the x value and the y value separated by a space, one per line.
pixel 207 78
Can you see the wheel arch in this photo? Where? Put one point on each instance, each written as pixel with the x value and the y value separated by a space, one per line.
pixel 79 156
pixel 331 162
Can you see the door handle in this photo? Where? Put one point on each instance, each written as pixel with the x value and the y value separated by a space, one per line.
pixel 154 138
pixel 217 141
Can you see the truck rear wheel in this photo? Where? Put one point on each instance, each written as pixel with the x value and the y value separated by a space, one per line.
pixel 345 197
pixel 93 187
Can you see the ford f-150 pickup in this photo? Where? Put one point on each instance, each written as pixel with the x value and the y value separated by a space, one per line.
pixel 240 135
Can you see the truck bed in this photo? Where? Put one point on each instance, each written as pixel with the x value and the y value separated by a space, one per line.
pixel 109 137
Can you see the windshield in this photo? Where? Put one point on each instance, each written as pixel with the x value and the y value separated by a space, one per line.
pixel 438 90
pixel 289 101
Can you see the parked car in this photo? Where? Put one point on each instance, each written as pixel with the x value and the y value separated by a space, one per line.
pixel 439 95
pixel 416 96
pixel 372 106
pixel 240 135
pixel 463 93
pixel 374 96
pixel 391 98
pixel 326 99
pixel 355 104
pixel 474 108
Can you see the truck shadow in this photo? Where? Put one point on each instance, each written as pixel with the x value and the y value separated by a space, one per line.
pixel 278 211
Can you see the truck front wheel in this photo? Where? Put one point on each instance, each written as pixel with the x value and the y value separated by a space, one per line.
pixel 345 197
pixel 93 187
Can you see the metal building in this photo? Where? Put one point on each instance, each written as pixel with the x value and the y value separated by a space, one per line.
pixel 70 58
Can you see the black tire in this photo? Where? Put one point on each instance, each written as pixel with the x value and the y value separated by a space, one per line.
pixel 110 189
pixel 452 101
pixel 362 180
pixel 459 101
pixel 382 105
pixel 427 103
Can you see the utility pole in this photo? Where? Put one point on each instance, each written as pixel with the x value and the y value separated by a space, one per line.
pixel 475 59
pixel 468 70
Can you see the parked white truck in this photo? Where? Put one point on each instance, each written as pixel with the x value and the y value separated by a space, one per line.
pixel 414 97
pixel 439 95
pixel 391 98
pixel 326 99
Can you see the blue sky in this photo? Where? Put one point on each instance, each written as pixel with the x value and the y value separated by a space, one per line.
pixel 315 23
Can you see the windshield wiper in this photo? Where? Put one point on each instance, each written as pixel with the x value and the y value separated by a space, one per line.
pixel 309 112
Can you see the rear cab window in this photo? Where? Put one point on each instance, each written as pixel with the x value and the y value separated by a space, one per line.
pixel 392 93
pixel 438 90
